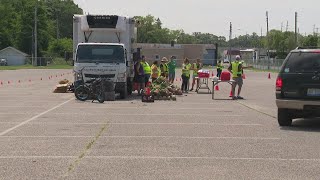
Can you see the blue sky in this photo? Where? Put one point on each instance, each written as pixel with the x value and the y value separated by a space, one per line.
pixel 213 16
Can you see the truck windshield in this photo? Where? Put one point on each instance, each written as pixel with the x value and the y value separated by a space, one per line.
pixel 303 62
pixel 100 54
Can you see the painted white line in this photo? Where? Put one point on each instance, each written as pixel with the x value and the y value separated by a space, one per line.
pixel 35 117
pixel 146 107
pixel 119 114
pixel 133 123
pixel 129 137
pixel 204 158
pixel 162 157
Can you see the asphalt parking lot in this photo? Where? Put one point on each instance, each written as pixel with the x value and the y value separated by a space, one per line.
pixel 53 136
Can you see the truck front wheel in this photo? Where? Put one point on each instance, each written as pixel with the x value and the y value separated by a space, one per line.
pixel 124 92
pixel 129 86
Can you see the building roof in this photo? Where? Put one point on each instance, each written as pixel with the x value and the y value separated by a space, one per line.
pixel 14 49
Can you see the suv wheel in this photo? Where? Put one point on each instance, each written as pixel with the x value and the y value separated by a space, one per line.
pixel 284 118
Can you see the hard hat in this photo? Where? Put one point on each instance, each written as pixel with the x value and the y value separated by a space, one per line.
pixel 238 57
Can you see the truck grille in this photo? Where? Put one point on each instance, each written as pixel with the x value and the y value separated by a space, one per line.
pixel 97 76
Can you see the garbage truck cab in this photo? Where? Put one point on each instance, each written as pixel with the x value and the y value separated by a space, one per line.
pixel 103 46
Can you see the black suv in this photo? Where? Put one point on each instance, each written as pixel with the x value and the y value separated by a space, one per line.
pixel 298 86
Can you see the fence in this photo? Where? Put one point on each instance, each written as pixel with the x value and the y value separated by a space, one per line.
pixel 47 61
pixel 263 64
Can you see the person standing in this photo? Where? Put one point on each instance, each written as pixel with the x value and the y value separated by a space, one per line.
pixel 139 75
pixel 146 69
pixel 219 69
pixel 172 69
pixel 164 67
pixel 236 70
pixel 196 67
pixel 155 71
pixel 186 66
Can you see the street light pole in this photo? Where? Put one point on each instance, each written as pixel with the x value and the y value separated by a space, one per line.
pixel 35 34
pixel 268 54
pixel 230 37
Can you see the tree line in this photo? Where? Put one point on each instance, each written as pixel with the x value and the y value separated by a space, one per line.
pixel 54 20
pixel 54 25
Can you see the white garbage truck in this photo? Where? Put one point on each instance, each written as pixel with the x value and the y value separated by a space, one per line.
pixel 103 46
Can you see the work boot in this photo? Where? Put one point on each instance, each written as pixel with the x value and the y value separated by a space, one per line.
pixel 239 97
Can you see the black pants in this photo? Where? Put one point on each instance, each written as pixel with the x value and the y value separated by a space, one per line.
pixel 219 71
pixel 185 82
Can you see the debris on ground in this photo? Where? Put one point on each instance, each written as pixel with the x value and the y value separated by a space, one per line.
pixel 63 86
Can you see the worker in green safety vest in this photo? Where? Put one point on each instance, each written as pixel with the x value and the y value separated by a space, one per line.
pixel 236 70
pixel 147 70
pixel 186 66
pixel 219 69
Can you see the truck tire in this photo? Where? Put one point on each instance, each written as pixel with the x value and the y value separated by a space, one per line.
pixel 124 92
pixel 129 86
pixel 284 118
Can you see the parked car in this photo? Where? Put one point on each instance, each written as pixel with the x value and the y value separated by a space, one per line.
pixel 3 62
pixel 298 86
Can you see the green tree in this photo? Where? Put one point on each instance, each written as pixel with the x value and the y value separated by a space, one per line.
pixel 58 47
pixel 311 41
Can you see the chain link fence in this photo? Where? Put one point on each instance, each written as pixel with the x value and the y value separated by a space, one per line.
pixel 47 61
pixel 264 64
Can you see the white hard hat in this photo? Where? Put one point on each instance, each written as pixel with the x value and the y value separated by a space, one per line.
pixel 238 57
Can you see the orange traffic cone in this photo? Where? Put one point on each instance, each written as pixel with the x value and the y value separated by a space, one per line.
pixel 269 76
pixel 217 88
pixel 231 95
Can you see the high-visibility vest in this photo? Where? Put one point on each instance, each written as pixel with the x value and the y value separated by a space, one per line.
pixel 155 71
pixel 219 66
pixel 186 69
pixel 196 68
pixel 165 67
pixel 235 69
pixel 146 67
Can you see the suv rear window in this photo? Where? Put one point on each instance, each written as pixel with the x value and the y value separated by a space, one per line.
pixel 302 62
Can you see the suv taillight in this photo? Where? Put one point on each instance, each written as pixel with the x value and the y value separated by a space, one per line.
pixel 279 84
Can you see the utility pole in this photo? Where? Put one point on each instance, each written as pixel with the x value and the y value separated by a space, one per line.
pixel 58 36
pixel 296 28
pixel 230 37
pixel 267 16
pixel 281 26
pixel 287 26
pixel 314 29
pixel 35 34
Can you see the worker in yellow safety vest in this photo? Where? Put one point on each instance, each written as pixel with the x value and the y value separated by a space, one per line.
pixel 146 69
pixel 196 67
pixel 236 70
pixel 164 67
pixel 186 66
pixel 155 71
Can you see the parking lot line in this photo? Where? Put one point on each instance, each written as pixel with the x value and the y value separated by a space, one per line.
pixel 151 114
pixel 162 157
pixel 131 123
pixel 33 118
pixel 172 137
